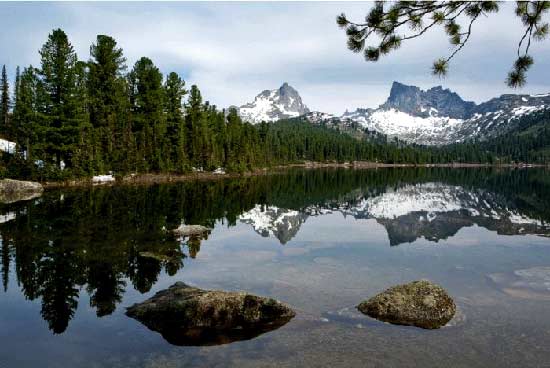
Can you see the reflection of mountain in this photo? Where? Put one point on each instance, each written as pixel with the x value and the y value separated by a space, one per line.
pixel 433 211
pixel 270 220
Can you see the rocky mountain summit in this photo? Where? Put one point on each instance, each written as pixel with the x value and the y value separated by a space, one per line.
pixel 439 116
pixel 435 101
pixel 272 105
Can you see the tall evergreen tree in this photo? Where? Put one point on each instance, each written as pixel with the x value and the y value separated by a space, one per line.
pixel 149 125
pixel 60 106
pixel 4 102
pixel 195 122
pixel 106 97
pixel 174 88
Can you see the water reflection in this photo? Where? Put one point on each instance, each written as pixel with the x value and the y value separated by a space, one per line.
pixel 105 239
pixel 432 210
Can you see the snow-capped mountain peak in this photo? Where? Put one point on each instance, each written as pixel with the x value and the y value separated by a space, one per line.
pixel 438 116
pixel 271 105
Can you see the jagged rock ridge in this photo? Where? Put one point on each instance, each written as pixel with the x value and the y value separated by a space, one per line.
pixel 439 116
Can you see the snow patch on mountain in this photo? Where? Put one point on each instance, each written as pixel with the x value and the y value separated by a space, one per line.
pixel 395 123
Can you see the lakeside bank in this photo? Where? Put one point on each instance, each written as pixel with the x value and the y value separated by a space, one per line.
pixel 158 178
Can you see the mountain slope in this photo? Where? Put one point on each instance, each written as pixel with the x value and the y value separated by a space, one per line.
pixel 439 117
pixel 434 117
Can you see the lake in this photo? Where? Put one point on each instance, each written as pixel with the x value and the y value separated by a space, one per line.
pixel 319 240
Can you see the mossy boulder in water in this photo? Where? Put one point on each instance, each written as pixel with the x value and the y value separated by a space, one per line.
pixel 186 315
pixel 419 303
pixel 18 190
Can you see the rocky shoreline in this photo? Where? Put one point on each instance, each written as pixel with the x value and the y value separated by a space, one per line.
pixel 152 178
pixel 18 190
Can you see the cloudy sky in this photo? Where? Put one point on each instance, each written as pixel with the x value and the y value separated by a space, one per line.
pixel 232 51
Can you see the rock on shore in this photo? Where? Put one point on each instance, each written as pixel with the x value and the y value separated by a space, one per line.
pixel 186 315
pixel 419 303
pixel 17 190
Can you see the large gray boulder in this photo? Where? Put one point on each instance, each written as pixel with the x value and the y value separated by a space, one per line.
pixel 17 190
pixel 419 303
pixel 186 315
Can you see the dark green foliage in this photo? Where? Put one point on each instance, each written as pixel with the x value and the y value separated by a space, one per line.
pixel 108 106
pixel 174 89
pixel 59 102
pixel 386 19
pixel 4 102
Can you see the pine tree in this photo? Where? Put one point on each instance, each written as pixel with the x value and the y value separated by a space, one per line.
pixel 107 95
pixel 196 125
pixel 60 105
pixel 149 124
pixel 174 89
pixel 4 102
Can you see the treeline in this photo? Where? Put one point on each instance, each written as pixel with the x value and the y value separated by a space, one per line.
pixel 74 118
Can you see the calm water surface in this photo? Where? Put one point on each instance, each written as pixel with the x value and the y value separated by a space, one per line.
pixel 319 240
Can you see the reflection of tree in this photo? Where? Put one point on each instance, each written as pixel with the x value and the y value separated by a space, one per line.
pixel 143 272
pixel 59 277
pixel 104 239
pixel 105 286
pixel 6 260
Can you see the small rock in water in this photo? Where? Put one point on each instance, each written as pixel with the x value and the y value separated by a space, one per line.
pixel 186 315
pixel 419 303
pixel 18 190
pixel 190 230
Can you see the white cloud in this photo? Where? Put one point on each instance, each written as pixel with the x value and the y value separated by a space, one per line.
pixel 235 50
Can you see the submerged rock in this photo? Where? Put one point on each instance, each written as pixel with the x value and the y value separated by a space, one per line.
pixel 18 190
pixel 186 315
pixel 160 257
pixel 419 303
pixel 530 283
pixel 191 230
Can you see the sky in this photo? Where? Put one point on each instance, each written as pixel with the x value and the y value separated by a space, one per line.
pixel 233 51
